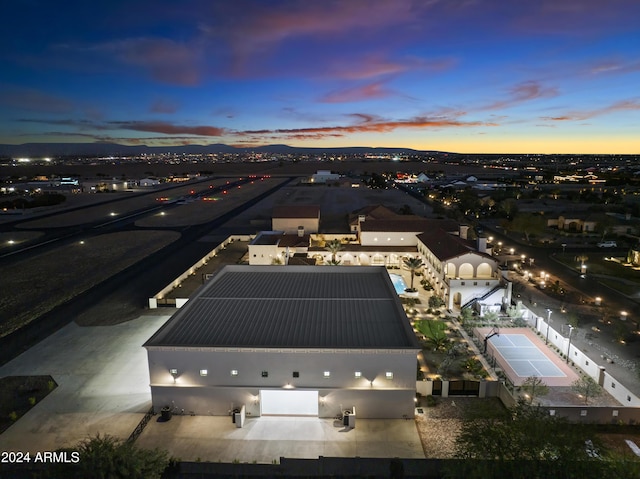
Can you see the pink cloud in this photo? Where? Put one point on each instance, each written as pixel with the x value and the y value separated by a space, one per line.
pixel 613 66
pixel 169 128
pixel 376 66
pixel 259 29
pixel 165 60
pixel 575 17
pixel 623 105
pixel 370 124
pixel 359 93
pixel 521 93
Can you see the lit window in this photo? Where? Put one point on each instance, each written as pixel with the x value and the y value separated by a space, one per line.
pixel 327 374
pixel 358 374
pixel 204 372
pixel 234 372
pixel 173 371
pixel 388 375
pixel 265 374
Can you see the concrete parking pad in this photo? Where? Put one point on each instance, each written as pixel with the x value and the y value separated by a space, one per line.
pixel 103 384
pixel 267 438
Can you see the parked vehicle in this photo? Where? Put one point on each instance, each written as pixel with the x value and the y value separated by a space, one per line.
pixel 607 244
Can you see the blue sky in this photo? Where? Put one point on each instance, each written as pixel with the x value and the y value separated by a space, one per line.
pixel 485 76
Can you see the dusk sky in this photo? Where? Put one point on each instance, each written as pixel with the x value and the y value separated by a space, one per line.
pixel 478 76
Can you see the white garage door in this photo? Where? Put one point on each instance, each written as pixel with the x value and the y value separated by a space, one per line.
pixel 288 403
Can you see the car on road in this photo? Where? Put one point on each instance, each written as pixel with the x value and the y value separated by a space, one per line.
pixel 607 244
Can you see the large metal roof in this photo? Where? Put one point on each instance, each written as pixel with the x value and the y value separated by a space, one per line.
pixel 342 307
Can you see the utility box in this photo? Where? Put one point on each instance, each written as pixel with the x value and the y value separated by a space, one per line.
pixel 239 417
pixel 349 418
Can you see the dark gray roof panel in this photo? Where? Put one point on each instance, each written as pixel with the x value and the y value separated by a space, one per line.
pixel 291 307
pixel 325 284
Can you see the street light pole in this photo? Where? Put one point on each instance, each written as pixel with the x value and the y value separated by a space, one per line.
pixel 569 347
pixel 548 323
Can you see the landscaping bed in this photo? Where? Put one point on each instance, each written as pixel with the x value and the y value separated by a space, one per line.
pixel 18 394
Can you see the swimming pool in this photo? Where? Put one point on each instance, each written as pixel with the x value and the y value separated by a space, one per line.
pixel 398 283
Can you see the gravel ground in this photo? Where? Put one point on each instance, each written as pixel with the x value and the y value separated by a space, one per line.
pixel 439 426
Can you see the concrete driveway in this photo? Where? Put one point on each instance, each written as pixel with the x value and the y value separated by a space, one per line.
pixel 103 384
pixel 268 438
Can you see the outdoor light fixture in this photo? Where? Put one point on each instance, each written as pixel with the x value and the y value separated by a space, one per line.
pixel 174 373
pixel 571 328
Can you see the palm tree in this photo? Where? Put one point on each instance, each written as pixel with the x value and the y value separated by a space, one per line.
pixel 413 265
pixel 333 247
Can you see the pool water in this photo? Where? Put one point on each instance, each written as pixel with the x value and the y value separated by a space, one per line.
pixel 398 283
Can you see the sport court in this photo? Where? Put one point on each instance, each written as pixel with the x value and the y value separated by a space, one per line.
pixel 521 354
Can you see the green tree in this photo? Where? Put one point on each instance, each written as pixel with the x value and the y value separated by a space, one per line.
pixel 106 457
pixel 582 259
pixel 528 224
pixel 413 265
pixel 604 224
pixel 435 333
pixel 586 387
pixel 528 443
pixel 490 316
pixel 508 207
pixel 466 315
pixel 333 246
pixel 534 387
pixel 435 301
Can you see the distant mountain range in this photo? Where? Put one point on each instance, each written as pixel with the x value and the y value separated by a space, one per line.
pixel 41 150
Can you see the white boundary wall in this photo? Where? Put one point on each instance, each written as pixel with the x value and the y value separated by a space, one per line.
pixel 153 302
pixel 597 371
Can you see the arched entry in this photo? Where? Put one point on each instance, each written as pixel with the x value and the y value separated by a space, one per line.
pixel 457 300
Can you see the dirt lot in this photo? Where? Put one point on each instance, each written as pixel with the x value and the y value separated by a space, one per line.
pixel 31 288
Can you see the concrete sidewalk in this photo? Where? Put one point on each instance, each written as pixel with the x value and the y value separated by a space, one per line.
pixel 103 384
